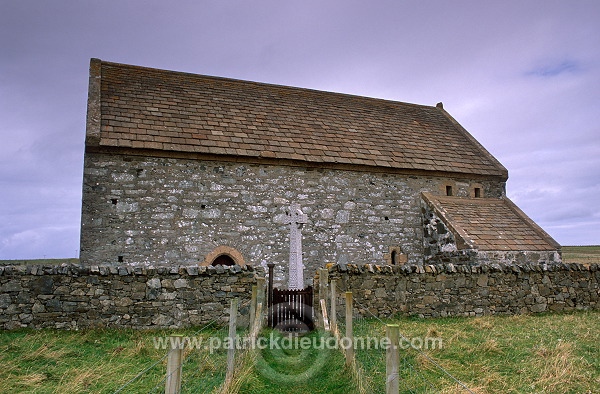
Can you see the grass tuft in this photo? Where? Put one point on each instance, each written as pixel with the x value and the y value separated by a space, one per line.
pixel 537 353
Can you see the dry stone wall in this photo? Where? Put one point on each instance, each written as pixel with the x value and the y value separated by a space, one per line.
pixel 463 290
pixel 74 296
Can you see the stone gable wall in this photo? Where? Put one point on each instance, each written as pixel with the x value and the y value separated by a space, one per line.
pixel 439 244
pixel 74 296
pixel 462 290
pixel 152 210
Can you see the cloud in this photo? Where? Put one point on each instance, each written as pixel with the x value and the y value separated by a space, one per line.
pixel 554 69
pixel 523 78
pixel 39 243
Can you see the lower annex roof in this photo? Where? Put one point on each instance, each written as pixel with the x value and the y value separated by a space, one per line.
pixel 491 224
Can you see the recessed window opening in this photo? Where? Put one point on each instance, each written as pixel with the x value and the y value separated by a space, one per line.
pixel 202 206
pixel 223 259
pixel 386 218
pixel 114 201
pixel 120 259
pixel 448 190
pixel 394 257
pixel 477 192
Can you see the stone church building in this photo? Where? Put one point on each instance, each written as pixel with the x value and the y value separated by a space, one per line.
pixel 192 169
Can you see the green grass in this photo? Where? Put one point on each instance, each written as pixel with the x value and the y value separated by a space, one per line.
pixel 54 361
pixel 40 262
pixel 509 354
pixel 581 254
pixel 58 361
pixel 297 369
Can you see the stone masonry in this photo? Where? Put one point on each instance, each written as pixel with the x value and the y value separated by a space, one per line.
pixel 186 169
pixel 176 211
pixel 442 290
pixel 73 296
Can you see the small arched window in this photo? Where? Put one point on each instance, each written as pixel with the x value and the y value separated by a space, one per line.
pixel 223 259
pixel 224 255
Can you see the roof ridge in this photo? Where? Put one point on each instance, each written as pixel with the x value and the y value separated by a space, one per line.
pixel 249 82
pixel 162 110
pixel 474 141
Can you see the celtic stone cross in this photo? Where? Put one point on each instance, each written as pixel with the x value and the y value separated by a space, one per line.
pixel 296 220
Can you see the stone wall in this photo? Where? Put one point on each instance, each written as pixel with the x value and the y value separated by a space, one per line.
pixel 462 290
pixel 73 296
pixel 146 210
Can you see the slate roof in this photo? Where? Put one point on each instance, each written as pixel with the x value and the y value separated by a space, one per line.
pixel 491 224
pixel 137 107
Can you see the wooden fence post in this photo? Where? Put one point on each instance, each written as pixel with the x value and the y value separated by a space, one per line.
pixel 323 279
pixel 349 333
pixel 333 307
pixel 325 319
pixel 232 340
pixel 262 300
pixel 392 359
pixel 174 361
pixel 252 310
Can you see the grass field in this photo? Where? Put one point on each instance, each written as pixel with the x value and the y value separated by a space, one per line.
pixel 581 254
pixel 40 262
pixel 102 361
pixel 499 354
pixel 551 353
pixel 295 370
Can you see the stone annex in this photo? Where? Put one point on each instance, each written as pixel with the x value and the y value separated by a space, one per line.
pixel 184 169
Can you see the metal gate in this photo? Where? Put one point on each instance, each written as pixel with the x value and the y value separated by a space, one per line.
pixel 290 310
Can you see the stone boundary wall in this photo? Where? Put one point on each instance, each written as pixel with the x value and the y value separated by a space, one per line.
pixel 462 290
pixel 75 296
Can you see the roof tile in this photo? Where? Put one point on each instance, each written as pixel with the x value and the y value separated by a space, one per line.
pixel 492 223
pixel 188 112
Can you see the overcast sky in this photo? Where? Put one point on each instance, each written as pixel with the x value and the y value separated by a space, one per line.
pixel 522 76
